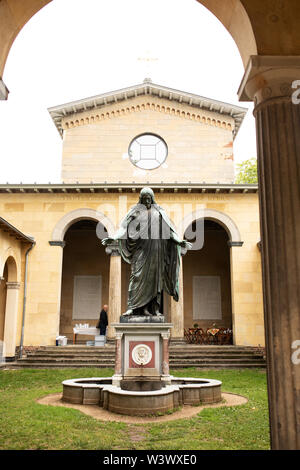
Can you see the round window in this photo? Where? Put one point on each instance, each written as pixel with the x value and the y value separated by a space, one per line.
pixel 148 151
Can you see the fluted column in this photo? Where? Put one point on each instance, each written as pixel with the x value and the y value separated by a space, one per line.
pixel 114 295
pixel 11 318
pixel 268 81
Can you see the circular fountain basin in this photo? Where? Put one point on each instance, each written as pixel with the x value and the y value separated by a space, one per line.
pixel 143 400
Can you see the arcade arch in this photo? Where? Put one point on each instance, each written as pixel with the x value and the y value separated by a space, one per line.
pixel 207 280
pixel 85 277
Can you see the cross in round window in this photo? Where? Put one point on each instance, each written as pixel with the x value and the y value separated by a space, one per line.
pixel 148 151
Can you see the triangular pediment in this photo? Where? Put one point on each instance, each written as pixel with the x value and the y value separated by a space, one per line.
pixel 147 89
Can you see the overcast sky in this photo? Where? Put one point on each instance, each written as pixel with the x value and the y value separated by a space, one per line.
pixel 73 49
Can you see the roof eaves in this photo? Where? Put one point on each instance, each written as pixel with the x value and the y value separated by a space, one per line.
pixel 17 233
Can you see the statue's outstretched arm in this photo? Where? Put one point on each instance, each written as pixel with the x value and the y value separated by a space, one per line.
pixel 120 233
pixel 180 242
pixel 117 236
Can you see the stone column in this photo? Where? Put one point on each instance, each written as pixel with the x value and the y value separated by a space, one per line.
pixel 60 244
pixel 115 289
pixel 11 318
pixel 238 321
pixel 270 82
pixel 118 362
pixel 177 312
pixel 165 357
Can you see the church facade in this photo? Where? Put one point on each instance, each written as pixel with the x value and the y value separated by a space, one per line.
pixel 55 273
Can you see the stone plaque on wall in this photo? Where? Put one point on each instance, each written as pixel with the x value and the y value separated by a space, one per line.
pixel 207 298
pixel 87 302
pixel 141 353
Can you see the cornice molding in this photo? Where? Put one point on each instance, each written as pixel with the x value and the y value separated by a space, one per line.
pixel 92 117
pixel 95 188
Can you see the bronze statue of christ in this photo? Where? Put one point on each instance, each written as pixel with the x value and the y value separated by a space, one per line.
pixel 150 244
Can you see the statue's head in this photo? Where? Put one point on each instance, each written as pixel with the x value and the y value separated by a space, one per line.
pixel 147 197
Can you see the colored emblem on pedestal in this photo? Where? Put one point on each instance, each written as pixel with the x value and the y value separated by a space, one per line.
pixel 141 354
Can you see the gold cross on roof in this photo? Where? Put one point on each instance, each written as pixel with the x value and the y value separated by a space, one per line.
pixel 148 60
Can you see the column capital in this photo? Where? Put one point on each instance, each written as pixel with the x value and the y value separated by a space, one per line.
pixel 113 250
pixel 165 334
pixel 13 285
pixel 61 243
pixel 269 77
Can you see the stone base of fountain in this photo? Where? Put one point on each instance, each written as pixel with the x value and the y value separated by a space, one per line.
pixel 182 391
pixel 142 384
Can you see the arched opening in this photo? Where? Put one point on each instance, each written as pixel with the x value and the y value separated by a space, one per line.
pixel 77 215
pixel 85 277
pixel 207 281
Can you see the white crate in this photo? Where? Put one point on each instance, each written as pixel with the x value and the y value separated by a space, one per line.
pixel 100 340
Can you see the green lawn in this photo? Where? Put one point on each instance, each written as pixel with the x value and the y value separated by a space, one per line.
pixel 25 424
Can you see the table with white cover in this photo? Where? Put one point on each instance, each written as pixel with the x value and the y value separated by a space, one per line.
pixel 92 331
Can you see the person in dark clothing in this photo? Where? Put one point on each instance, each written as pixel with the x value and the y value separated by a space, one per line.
pixel 103 322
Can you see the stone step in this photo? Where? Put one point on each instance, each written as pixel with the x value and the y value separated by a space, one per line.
pixel 93 351
pixel 219 348
pixel 77 347
pixel 52 365
pixel 76 357
pixel 186 349
pixel 215 357
pixel 66 360
pixel 185 363
pixel 173 357
pixel 72 353
pixel 221 366
pixel 224 355
pixel 181 356
pixel 75 365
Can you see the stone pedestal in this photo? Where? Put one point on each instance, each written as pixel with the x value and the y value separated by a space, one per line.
pixel 142 352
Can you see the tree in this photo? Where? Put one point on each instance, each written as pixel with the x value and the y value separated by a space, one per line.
pixel 247 172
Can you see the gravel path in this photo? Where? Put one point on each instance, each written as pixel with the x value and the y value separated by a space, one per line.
pixel 229 399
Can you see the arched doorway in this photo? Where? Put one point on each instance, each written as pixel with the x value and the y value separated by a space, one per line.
pixel 207 280
pixel 85 277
